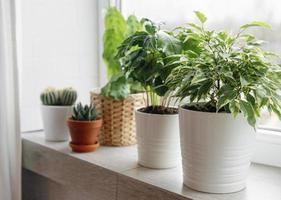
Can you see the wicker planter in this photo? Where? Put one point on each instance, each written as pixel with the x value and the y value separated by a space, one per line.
pixel 119 127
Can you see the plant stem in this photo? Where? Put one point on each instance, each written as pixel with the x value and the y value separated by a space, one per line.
pixel 147 95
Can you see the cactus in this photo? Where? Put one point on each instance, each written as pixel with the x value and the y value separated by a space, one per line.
pixel 53 97
pixel 50 96
pixel 68 96
pixel 84 113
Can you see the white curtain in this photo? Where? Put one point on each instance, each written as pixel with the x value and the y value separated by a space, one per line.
pixel 10 141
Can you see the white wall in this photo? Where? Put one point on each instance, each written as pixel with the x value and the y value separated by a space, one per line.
pixel 59 48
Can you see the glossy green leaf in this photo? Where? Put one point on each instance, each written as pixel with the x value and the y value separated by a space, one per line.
pixel 256 24
pixel 200 16
pixel 118 88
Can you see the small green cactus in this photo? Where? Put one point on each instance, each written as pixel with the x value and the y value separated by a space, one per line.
pixel 84 113
pixel 53 97
pixel 68 96
pixel 50 96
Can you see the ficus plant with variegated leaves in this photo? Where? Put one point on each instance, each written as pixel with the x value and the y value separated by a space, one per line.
pixel 224 72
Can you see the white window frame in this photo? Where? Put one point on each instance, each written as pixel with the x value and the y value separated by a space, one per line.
pixel 268 147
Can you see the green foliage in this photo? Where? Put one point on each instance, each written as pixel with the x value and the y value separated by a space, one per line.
pixel 255 24
pixel 63 97
pixel 201 16
pixel 143 56
pixel 117 88
pixel 230 72
pixel 116 29
pixel 133 25
pixel 84 113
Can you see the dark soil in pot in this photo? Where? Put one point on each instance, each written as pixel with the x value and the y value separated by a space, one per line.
pixel 159 110
pixel 204 107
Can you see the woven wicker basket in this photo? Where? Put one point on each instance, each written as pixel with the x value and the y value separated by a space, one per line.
pixel 119 127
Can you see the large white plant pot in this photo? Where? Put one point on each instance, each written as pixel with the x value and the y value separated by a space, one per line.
pixel 54 122
pixel 158 140
pixel 216 150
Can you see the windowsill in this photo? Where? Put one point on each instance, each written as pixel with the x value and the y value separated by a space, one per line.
pixel 47 158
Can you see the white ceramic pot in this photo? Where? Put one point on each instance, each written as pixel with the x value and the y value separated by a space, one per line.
pixel 216 150
pixel 158 140
pixel 54 122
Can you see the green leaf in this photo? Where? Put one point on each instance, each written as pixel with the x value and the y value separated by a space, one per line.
pixel 277 111
pixel 115 27
pixel 149 25
pixel 200 16
pixel 223 100
pixel 256 24
pixel 169 44
pixel 159 86
pixel 227 90
pixel 243 81
pixel 248 112
pixel 118 88
pixel 234 108
pixel 227 94
pixel 251 99
pixel 133 25
pixel 195 26
pixel 204 89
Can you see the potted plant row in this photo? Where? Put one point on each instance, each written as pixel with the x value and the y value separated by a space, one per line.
pixel 56 108
pixel 221 80
pixel 117 100
pixel 228 79
pixel 143 56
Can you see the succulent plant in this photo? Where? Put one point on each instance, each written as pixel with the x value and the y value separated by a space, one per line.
pixel 84 113
pixel 68 96
pixel 50 96
pixel 63 97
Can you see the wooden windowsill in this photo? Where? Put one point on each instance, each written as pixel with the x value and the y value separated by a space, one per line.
pixel 112 173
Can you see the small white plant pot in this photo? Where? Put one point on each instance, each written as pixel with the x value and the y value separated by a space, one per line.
pixel 216 150
pixel 54 122
pixel 158 140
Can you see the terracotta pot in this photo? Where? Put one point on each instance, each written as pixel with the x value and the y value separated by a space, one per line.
pixel 84 134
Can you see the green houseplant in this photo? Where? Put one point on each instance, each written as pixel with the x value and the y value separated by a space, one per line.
pixel 143 56
pixel 84 127
pixel 117 29
pixel 55 109
pixel 219 76
pixel 120 95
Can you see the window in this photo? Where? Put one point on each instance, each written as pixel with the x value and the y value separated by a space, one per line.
pixel 59 41
pixel 175 13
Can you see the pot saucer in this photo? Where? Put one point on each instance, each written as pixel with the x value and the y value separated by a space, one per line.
pixel 84 148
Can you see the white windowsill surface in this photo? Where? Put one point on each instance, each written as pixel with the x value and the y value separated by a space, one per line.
pixel 48 158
